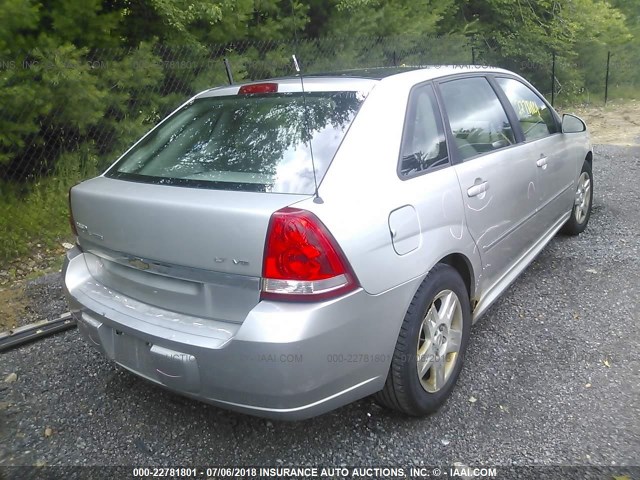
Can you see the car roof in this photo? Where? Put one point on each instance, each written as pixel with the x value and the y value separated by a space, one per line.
pixel 380 73
pixel 375 73
pixel 359 79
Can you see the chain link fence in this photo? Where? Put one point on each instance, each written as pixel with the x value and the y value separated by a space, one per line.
pixel 67 113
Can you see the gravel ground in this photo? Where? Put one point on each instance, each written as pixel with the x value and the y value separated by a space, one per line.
pixel 31 301
pixel 45 298
pixel 553 368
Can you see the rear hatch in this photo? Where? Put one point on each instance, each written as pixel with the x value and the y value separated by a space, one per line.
pixel 180 221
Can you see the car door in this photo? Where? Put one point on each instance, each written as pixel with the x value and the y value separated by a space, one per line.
pixel 497 183
pixel 546 146
pixel 428 208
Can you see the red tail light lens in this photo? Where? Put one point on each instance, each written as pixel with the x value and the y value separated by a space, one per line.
pixel 302 260
pixel 258 88
pixel 72 222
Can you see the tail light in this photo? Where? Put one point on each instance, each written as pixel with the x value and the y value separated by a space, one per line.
pixel 72 222
pixel 302 261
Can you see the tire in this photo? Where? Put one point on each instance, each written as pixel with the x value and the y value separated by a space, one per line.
pixel 583 199
pixel 422 335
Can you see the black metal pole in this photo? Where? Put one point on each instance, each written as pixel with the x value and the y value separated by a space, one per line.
pixel 227 67
pixel 553 78
pixel 395 64
pixel 35 331
pixel 473 55
pixel 606 82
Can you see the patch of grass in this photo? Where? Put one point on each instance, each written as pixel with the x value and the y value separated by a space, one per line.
pixel 55 265
pixel 618 93
pixel 38 213
pixel 624 92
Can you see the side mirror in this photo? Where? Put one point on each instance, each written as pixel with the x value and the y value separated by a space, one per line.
pixel 572 124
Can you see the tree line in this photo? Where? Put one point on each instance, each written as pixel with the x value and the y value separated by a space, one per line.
pixel 81 79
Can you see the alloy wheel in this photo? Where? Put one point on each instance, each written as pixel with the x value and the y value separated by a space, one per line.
pixel 439 341
pixel 583 198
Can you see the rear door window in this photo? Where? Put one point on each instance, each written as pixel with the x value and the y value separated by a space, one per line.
pixel 245 142
pixel 477 119
pixel 423 140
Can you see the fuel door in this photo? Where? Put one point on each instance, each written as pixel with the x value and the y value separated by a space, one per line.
pixel 404 227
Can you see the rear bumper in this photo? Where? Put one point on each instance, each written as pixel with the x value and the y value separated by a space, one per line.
pixel 286 360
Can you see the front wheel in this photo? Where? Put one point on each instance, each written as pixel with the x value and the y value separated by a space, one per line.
pixel 582 203
pixel 430 348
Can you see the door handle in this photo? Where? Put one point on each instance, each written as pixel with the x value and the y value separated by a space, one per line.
pixel 542 162
pixel 478 189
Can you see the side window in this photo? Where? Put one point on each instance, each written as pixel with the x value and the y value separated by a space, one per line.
pixel 478 121
pixel 423 141
pixel 535 117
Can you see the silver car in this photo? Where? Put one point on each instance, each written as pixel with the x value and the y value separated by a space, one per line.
pixel 286 247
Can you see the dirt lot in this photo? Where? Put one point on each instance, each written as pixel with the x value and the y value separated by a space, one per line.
pixel 616 124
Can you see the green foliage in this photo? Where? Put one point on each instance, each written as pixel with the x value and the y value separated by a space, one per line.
pixel 80 80
pixel 625 77
pixel 376 18
pixel 39 212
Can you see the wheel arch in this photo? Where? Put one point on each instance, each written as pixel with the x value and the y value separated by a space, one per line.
pixel 463 266
pixel 589 158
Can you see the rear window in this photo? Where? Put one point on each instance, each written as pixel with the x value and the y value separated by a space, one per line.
pixel 244 142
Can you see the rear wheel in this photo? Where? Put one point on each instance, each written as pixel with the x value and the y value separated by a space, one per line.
pixel 429 352
pixel 582 203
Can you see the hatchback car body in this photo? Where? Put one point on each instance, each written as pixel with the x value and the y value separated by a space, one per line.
pixel 285 247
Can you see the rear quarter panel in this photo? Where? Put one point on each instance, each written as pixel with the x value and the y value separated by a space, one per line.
pixel 362 188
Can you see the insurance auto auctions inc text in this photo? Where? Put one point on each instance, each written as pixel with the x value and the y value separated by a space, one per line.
pixel 377 472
